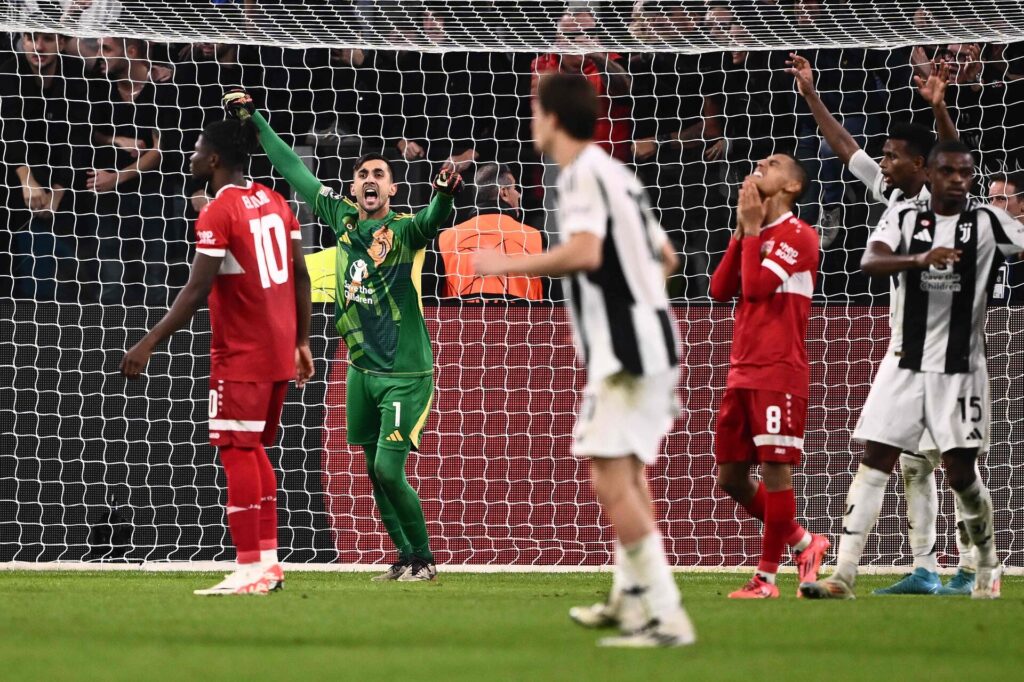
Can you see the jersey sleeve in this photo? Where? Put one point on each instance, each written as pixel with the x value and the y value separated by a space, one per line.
pixel 424 226
pixel 213 230
pixel 583 207
pixel 335 210
pixel 889 230
pixel 1008 231
pixel 327 205
pixel 867 170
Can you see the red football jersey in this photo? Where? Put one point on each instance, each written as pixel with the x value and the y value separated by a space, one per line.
pixel 252 304
pixel 769 349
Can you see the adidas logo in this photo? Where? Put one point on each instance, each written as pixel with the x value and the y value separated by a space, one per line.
pixel 923 234
pixel 395 437
pixel 975 434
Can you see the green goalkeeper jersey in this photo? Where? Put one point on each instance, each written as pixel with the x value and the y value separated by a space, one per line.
pixel 378 305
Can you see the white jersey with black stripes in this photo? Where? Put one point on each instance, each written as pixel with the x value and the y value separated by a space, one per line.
pixel 620 312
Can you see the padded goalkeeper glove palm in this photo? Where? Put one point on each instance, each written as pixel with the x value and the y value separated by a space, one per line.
pixel 448 182
pixel 238 104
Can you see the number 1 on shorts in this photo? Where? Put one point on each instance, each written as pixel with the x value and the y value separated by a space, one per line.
pixel 398 413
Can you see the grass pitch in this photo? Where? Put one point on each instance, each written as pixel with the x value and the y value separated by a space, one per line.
pixel 149 626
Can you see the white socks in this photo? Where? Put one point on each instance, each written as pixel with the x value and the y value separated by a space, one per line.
pixel 922 507
pixel 803 543
pixel 863 503
pixel 268 557
pixel 646 562
pixel 620 581
pixel 968 561
pixel 976 508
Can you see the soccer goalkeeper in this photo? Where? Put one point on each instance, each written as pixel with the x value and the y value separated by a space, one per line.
pixel 390 382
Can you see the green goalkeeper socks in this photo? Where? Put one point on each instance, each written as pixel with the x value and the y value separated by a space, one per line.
pixel 389 473
pixel 388 514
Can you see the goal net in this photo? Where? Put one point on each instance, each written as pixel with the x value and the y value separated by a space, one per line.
pixel 97 210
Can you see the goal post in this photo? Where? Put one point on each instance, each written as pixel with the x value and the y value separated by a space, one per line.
pixel 93 468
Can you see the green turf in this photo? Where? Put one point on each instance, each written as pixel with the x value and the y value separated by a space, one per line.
pixel 148 626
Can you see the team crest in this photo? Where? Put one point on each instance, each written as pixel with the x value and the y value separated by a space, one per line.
pixel 383 239
pixel 767 247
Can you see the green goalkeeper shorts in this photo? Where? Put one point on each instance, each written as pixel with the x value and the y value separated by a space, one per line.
pixel 388 411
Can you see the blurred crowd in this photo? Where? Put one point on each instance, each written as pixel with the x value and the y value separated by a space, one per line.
pixel 97 203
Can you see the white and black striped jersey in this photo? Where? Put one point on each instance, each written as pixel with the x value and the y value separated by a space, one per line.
pixel 867 170
pixel 938 315
pixel 620 312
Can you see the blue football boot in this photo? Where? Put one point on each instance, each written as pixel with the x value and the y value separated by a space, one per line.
pixel 921 581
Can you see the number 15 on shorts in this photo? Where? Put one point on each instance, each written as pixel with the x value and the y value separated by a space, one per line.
pixel 970 408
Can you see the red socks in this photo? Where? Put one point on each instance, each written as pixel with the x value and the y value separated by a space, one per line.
pixel 268 501
pixel 780 512
pixel 243 511
pixel 756 506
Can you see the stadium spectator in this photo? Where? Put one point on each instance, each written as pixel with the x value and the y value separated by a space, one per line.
pixel 578 29
pixel 127 133
pixel 757 110
pixel 845 79
pixel 977 101
pixel 678 118
pixel 1006 191
pixel 42 93
pixel 495 226
pixel 200 66
pixel 441 105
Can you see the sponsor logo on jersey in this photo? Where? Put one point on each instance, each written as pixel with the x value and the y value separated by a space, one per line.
pixel 206 237
pixel 354 289
pixel 923 234
pixel 787 253
pixel 358 271
pixel 383 240
pixel 940 278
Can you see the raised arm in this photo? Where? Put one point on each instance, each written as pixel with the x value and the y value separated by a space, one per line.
pixel 426 224
pixel 933 90
pixel 286 161
pixel 838 138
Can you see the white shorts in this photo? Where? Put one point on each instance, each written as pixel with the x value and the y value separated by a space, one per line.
pixel 903 405
pixel 626 415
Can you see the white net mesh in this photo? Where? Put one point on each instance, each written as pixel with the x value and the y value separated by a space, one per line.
pixel 693 92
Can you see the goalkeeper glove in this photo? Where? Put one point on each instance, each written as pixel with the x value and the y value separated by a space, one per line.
pixel 448 182
pixel 238 104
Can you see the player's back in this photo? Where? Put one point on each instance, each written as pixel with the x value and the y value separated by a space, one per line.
pixel 620 310
pixel 252 303
pixel 769 349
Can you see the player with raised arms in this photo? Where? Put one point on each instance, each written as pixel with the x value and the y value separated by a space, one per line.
pixel 249 264
pixel 771 264
pixel 934 374
pixel 617 257
pixel 902 174
pixel 378 313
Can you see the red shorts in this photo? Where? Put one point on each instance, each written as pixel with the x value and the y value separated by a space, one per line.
pixel 245 413
pixel 760 426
